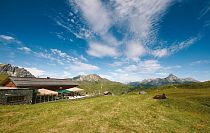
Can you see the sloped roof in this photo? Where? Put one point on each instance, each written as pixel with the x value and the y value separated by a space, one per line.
pixel 74 89
pixel 30 82
pixel 46 92
pixel 12 88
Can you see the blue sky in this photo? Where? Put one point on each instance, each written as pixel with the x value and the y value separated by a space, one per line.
pixel 124 41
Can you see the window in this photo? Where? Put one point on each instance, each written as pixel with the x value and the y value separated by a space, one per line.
pixel 11 99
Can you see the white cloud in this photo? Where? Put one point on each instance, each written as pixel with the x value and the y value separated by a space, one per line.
pixel 101 50
pixel 73 64
pixel 134 50
pixel 160 52
pixel 49 56
pixel 36 72
pixel 58 52
pixel 7 38
pixel 95 14
pixel 82 67
pixel 142 15
pixel 118 63
pixel 83 58
pixel 147 66
pixel 25 49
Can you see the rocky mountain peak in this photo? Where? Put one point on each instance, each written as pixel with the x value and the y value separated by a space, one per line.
pixel 14 71
pixel 90 77
pixel 172 77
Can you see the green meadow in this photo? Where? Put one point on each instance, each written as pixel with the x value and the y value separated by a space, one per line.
pixel 184 110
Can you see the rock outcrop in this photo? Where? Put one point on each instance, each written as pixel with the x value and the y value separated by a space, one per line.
pixel 14 71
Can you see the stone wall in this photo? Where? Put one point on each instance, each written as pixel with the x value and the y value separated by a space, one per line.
pixel 5 93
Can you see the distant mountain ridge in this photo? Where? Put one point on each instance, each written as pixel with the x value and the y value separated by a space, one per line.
pixel 14 71
pixel 171 79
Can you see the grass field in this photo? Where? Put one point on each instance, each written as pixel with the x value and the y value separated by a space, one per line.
pixel 185 110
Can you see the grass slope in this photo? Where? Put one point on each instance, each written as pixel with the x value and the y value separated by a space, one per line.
pixel 114 87
pixel 185 110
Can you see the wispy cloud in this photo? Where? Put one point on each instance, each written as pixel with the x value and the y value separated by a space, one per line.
pixel 25 49
pixel 134 50
pixel 142 16
pixel 182 45
pixel 101 50
pixel 96 15
pixel 147 66
pixel 160 52
pixel 176 47
pixel 198 62
pixel 82 67
pixel 205 10
pixel 35 71
pixel 69 61
pixel 5 39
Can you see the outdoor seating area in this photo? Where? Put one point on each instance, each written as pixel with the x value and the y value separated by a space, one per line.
pixel 72 93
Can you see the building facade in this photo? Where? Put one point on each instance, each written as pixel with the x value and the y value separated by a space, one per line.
pixel 9 95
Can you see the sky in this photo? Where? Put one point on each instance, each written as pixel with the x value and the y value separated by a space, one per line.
pixel 122 40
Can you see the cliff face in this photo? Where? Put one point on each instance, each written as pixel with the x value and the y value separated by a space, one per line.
pixel 14 71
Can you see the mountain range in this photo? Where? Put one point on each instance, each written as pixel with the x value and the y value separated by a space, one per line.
pixel 170 79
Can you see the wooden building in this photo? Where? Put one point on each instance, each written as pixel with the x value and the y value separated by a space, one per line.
pixel 27 88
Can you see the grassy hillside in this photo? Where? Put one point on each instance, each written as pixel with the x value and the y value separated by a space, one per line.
pixel 3 77
pixel 185 110
pixel 114 87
